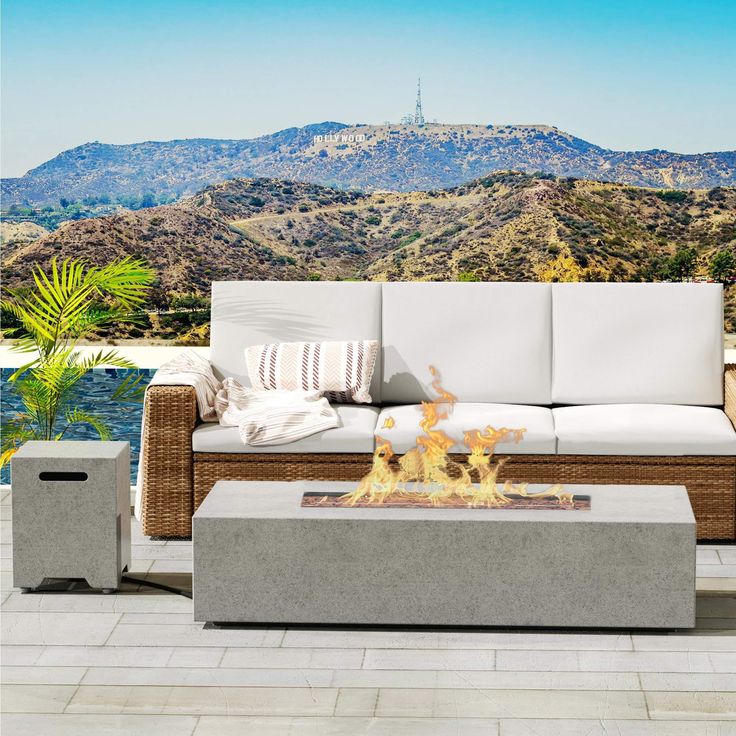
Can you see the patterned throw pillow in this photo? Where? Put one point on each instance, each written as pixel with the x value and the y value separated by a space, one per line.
pixel 341 370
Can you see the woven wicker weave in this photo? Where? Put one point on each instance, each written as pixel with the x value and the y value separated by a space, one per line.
pixel 176 480
pixel 169 418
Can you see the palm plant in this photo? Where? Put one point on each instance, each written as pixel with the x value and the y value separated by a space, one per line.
pixel 67 304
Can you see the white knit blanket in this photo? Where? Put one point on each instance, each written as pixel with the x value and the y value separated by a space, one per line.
pixel 262 417
pixel 273 417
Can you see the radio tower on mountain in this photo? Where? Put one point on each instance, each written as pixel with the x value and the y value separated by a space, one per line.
pixel 418 114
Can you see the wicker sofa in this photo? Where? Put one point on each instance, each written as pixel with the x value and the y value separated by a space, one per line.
pixel 615 384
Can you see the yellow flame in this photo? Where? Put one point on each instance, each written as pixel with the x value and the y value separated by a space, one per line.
pixel 440 478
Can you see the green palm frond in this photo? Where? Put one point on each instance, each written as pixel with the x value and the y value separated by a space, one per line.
pixel 110 357
pixel 68 302
pixel 77 416
pixel 16 431
pixel 130 389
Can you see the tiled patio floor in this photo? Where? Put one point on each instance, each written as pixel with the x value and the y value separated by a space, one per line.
pixel 135 663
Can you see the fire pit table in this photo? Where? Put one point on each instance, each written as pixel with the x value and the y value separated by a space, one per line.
pixel 624 559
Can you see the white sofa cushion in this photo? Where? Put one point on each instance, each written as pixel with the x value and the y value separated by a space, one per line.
pixel 256 312
pixel 358 422
pixel 637 343
pixel 489 341
pixel 539 438
pixel 643 429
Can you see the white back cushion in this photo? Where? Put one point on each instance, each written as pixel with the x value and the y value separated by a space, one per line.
pixel 248 313
pixel 489 341
pixel 637 343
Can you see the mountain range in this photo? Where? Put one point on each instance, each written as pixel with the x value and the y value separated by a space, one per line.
pixel 507 226
pixel 369 158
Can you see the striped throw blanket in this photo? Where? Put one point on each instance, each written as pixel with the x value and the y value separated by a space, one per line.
pixel 341 371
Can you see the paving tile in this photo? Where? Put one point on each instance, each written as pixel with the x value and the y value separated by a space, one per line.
pixel 568 727
pixel 716 571
pixel 688 681
pixel 139 568
pixel 726 625
pixel 429 659
pixel 688 642
pixel 27 654
pixel 345 726
pixel 716 585
pixel 172 552
pixel 85 656
pixel 152 603
pixel 168 565
pixel 192 635
pixel 203 700
pixel 25 675
pixel 379 639
pixel 207 677
pixel 196 657
pixel 716 606
pixel 6 581
pixel 706 556
pixel 35 698
pixel 294 658
pixel 697 705
pixel 157 619
pixel 73 724
pixel 137 537
pixel 61 602
pixel 727 555
pixel 541 661
pixel 486 680
pixel 6 551
pixel 510 704
pixel 356 702
pixel 57 628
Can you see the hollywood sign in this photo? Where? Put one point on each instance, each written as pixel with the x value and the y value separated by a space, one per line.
pixel 340 138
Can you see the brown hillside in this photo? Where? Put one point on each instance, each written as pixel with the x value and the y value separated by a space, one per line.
pixel 508 226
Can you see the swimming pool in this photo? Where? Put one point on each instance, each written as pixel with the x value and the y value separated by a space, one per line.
pixel 123 418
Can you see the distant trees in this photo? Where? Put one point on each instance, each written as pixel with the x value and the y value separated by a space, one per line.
pixel 190 302
pixel 722 266
pixel 671 195
pixel 682 265
pixel 468 276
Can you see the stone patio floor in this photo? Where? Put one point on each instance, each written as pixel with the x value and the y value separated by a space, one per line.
pixel 135 663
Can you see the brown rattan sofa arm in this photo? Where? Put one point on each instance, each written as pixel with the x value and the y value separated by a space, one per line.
pixel 169 416
pixel 729 392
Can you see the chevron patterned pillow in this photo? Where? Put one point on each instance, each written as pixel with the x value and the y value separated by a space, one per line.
pixel 342 371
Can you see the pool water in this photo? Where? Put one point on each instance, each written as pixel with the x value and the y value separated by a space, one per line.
pixel 123 418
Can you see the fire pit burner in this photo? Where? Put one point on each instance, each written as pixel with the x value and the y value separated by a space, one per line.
pixel 416 500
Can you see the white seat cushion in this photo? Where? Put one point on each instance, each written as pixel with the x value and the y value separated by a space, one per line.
pixel 355 435
pixel 539 438
pixel 643 429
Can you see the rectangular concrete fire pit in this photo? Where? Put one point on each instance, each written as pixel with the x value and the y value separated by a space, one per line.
pixel 627 562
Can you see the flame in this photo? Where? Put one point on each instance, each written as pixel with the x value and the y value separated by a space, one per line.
pixel 440 478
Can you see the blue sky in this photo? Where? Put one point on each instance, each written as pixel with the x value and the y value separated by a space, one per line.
pixel 625 75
